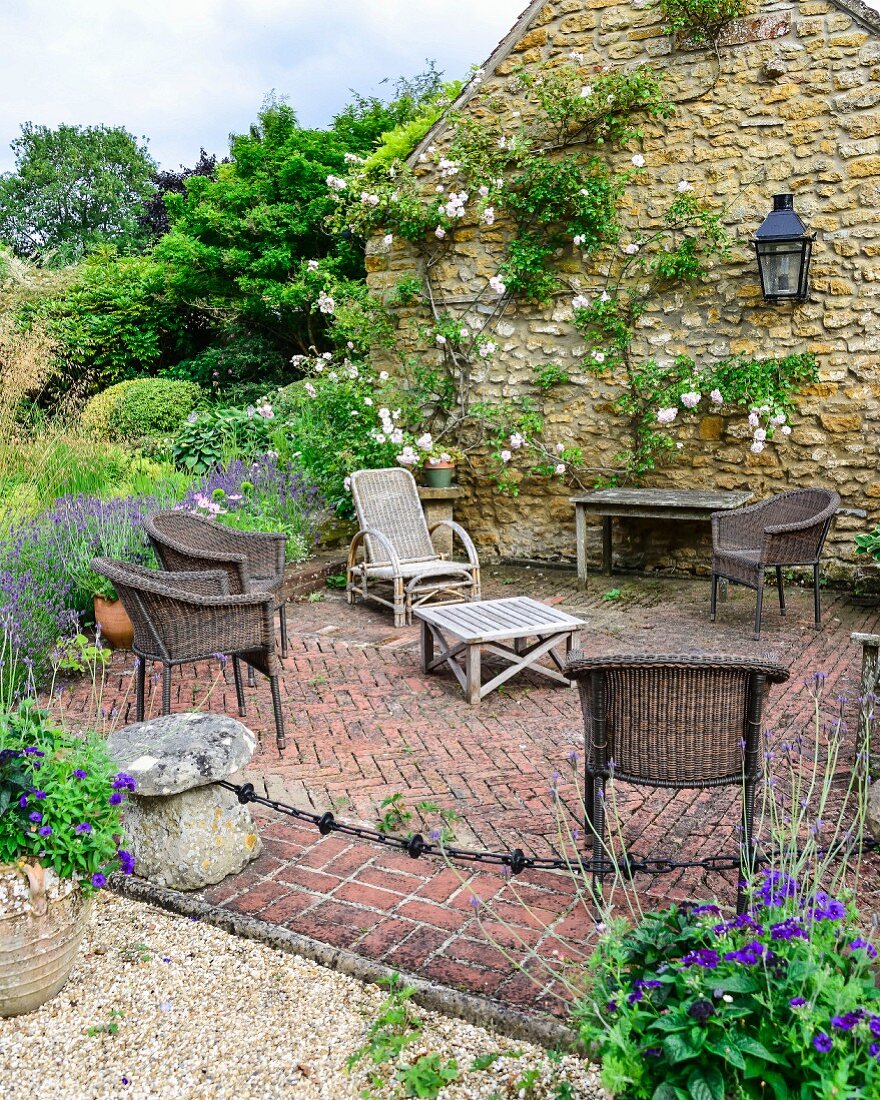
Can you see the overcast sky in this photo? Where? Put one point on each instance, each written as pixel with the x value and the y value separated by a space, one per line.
pixel 186 73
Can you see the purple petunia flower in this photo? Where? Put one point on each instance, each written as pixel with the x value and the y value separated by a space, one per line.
pixel 33 751
pixel 99 880
pixel 35 817
pixel 46 830
pixel 858 943
pixel 704 956
pixel 123 782
pixel 126 860
pixel 80 774
pixel 39 795
pixel 796 1002
pixel 706 909
pixel 790 929
pixel 115 798
pixel 23 801
pixel 750 954
pixel 83 828
pixel 823 907
pixel 874 1025
pixel 823 1042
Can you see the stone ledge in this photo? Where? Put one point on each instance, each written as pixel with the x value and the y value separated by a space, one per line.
pixel 305 577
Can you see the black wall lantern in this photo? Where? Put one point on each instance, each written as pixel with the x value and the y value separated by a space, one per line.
pixel 783 247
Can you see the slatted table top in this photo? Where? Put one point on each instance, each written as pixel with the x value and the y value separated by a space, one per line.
pixel 657 502
pixel 495 620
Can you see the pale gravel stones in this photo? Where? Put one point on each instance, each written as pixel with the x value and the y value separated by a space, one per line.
pixel 206 1015
pixel 177 752
pixel 190 840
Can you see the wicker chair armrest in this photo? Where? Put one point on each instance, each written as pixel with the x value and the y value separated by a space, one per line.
pixel 579 665
pixel 818 520
pixel 466 540
pixel 235 563
pixel 393 559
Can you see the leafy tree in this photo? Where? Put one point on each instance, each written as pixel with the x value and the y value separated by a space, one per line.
pixel 73 189
pixel 154 219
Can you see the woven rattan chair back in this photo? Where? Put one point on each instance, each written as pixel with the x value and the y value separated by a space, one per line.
pixel 672 721
pixel 388 501
pixel 169 531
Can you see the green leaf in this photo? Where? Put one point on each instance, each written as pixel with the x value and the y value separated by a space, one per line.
pixel 678 1049
pixel 728 1052
pixel 664 1091
pixel 737 983
pixel 702 1088
pixel 751 1046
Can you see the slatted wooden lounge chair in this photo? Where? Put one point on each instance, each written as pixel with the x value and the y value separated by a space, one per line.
pixel 400 567
pixel 181 616
pixel 674 722
pixel 253 560
pixel 788 529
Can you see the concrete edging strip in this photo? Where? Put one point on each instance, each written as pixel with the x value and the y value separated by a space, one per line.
pixel 509 1022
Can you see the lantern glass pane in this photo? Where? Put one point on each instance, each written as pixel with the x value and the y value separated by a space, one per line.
pixel 781 268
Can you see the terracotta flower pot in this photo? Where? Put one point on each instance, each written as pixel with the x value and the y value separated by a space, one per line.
pixel 439 475
pixel 116 627
pixel 42 920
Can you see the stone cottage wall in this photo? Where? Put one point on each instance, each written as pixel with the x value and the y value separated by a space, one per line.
pixel 794 107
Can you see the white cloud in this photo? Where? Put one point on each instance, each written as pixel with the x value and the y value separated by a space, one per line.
pixel 186 73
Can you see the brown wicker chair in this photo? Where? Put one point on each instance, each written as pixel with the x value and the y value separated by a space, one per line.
pixel 253 560
pixel 398 553
pixel 671 721
pixel 788 529
pixel 180 617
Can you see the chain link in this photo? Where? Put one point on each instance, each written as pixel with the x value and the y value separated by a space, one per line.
pixel 516 860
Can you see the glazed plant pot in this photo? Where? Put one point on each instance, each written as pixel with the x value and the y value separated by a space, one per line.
pixel 42 921
pixel 439 475
pixel 116 627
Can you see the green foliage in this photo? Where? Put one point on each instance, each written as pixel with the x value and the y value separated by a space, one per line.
pixel 215 435
pixel 113 321
pixel 687 1006
pixel 427 1076
pixel 395 1027
pixel 140 407
pixel 236 361
pixel 398 143
pixel 869 544
pixel 550 375
pixel 701 20
pixel 58 801
pixel 396 815
pixel 73 189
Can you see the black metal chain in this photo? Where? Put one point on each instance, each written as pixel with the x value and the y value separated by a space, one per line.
pixel 516 860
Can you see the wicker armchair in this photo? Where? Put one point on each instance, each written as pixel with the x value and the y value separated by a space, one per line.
pixel 788 529
pixel 188 616
pixel 252 560
pixel 399 559
pixel 671 721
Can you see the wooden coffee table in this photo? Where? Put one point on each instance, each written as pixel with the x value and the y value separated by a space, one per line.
pixel 488 624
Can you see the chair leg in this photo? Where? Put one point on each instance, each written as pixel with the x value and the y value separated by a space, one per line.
pixel 279 717
pixel 282 619
pixel 748 824
pixel 759 605
pixel 817 604
pixel 780 589
pixel 590 811
pixel 166 688
pixel 599 826
pixel 239 690
pixel 251 681
pixel 400 608
pixel 140 683
pixel 713 599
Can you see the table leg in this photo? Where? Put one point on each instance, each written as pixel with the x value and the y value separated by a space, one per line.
pixel 474 676
pixel 606 545
pixel 580 532
pixel 427 647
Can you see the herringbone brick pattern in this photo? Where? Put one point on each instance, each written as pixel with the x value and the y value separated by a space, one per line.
pixel 364 723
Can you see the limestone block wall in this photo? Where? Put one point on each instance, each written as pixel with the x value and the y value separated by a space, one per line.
pixel 793 106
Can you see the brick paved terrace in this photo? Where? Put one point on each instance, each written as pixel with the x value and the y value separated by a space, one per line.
pixel 364 723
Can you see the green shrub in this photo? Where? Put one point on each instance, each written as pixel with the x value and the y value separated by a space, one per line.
pixel 215 436
pixel 155 406
pixel 141 407
pixel 100 411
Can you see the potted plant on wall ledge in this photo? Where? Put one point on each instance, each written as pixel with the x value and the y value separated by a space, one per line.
pixel 111 618
pixel 438 469
pixel 60 820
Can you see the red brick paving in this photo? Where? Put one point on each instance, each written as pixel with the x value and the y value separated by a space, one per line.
pixel 364 723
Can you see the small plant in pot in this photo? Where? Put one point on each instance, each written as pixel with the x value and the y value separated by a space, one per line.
pixel 111 618
pixel 438 469
pixel 60 826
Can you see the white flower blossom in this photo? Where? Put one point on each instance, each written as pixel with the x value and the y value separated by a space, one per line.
pixel 785 429
pixel 631 249
pixel 396 436
pixel 484 191
pixel 505 456
pixel 598 357
pixel 379 437
pixel 310 389
pixel 425 442
pixel 369 198
pixel 578 240
pixel 716 397
pixel 666 416
pixel 368 401
pixel 312 265
pixel 265 411
pixel 690 400
pixel 760 435
pixel 384 375
pixel 497 285
pixel 560 468
pixel 586 91
pixel 638 161
pixel 560 447
pixel 388 240
pixel 579 302
pixel 516 441
pixel 407 457
pixel 683 186
pixel 335 183
pixel 489 215
pixel 440 232
pixel 487 349
pixel 325 303
pixel 757 447
pixel 440 339
pixel 754 419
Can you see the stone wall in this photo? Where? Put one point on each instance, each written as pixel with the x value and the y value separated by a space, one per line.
pixel 792 107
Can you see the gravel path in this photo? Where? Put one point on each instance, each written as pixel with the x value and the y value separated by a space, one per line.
pixel 163 1006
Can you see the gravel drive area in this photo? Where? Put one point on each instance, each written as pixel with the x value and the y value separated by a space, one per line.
pixel 164 1006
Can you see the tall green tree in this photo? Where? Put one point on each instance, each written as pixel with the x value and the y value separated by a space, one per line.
pixel 73 189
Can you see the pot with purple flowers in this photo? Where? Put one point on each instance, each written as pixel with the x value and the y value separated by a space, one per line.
pixel 60 826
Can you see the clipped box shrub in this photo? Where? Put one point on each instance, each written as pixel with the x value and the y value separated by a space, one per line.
pixel 141 408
